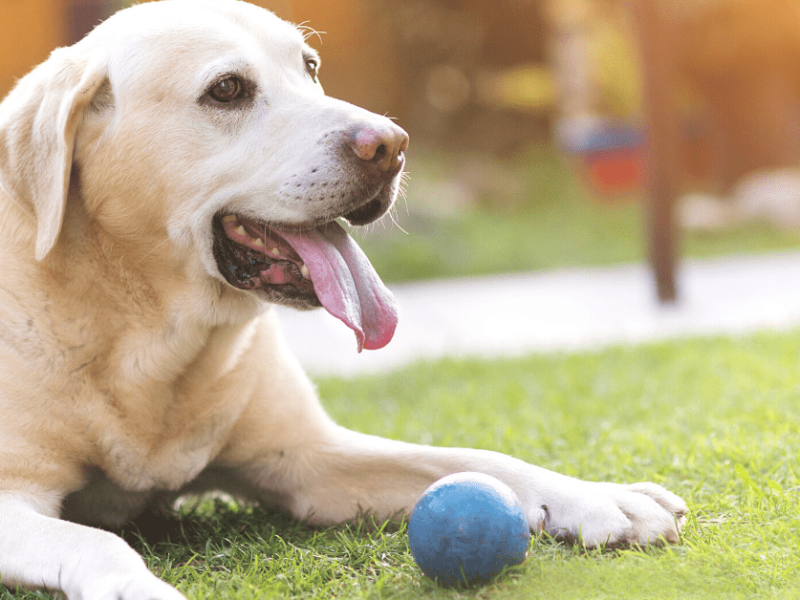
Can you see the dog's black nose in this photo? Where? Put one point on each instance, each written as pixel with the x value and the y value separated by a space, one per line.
pixel 382 145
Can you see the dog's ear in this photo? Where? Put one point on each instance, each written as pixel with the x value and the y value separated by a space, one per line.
pixel 38 123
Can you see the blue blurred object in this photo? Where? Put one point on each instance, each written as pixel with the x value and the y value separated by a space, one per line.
pixel 590 135
pixel 466 528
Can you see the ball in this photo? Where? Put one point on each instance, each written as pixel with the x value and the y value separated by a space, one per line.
pixel 466 528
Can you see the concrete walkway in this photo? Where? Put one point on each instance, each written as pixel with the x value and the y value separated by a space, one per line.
pixel 568 309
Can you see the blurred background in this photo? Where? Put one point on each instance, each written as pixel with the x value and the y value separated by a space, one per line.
pixel 531 121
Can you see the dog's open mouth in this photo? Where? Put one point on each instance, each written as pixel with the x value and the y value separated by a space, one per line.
pixel 321 266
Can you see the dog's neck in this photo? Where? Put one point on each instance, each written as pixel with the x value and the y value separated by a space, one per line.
pixel 120 314
pixel 108 340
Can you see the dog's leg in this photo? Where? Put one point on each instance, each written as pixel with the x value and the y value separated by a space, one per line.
pixel 39 551
pixel 349 473
pixel 290 452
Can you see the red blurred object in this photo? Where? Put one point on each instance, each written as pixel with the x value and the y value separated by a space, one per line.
pixel 615 172
pixel 610 159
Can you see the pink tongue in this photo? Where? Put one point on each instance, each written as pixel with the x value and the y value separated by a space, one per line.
pixel 346 284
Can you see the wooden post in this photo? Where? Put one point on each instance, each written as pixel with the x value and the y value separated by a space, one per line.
pixel 663 139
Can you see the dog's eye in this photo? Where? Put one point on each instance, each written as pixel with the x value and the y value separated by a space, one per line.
pixel 227 90
pixel 311 66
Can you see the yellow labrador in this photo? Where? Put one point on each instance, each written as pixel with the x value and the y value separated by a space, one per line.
pixel 162 183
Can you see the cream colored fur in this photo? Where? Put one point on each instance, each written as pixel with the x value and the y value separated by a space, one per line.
pixel 130 372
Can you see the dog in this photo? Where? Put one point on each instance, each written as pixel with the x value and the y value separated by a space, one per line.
pixel 163 183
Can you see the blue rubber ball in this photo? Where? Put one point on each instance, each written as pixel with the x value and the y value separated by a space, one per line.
pixel 466 528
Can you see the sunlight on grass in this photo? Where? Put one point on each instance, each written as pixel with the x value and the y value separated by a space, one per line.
pixel 715 420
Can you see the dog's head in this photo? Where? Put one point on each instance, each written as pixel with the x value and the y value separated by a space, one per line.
pixel 196 134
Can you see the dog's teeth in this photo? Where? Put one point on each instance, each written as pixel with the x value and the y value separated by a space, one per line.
pixel 275 252
pixel 229 219
pixel 258 242
pixel 240 230
pixel 304 271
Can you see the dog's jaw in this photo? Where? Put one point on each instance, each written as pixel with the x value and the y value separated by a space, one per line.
pixel 315 266
pixel 250 256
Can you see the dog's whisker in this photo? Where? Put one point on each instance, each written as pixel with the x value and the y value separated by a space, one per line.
pixel 151 251
pixel 397 224
pixel 309 31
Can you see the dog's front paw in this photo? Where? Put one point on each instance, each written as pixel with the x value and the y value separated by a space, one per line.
pixel 125 586
pixel 596 514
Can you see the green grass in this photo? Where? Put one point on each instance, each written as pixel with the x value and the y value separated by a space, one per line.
pixel 526 214
pixel 715 420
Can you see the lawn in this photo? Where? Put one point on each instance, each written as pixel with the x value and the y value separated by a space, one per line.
pixel 715 420
pixel 474 215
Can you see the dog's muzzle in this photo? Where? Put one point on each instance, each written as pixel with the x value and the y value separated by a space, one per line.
pixel 321 265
